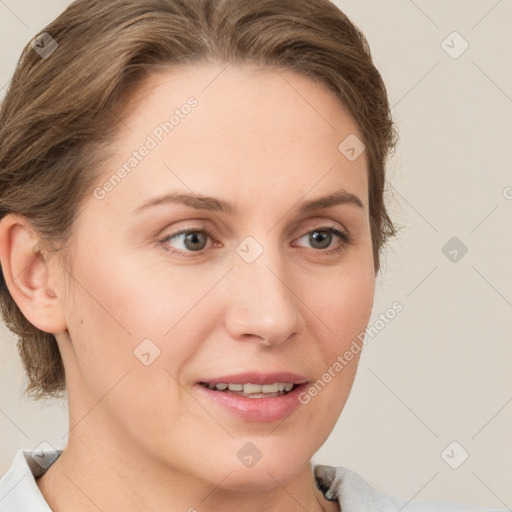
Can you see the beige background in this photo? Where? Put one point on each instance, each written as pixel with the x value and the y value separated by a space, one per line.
pixel 441 370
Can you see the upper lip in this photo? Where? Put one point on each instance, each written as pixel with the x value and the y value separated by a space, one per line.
pixel 257 378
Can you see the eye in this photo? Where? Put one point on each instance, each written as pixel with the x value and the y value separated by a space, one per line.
pixel 187 240
pixel 321 239
pixel 195 240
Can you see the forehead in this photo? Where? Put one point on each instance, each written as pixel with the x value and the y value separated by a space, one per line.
pixel 229 129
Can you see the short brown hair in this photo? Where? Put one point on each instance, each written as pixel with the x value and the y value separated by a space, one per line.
pixel 59 111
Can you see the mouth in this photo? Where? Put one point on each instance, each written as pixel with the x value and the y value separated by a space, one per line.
pixel 254 396
pixel 250 390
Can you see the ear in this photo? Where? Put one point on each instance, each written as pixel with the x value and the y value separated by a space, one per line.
pixel 26 273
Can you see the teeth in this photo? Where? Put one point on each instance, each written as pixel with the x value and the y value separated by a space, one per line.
pixel 253 388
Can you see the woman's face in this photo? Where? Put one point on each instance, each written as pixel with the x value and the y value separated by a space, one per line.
pixel 268 289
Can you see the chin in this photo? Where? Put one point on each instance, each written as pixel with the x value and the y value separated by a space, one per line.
pixel 263 478
pixel 260 469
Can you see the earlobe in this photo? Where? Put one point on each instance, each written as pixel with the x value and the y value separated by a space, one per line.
pixel 27 276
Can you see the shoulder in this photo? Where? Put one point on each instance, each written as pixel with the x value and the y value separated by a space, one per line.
pixel 354 494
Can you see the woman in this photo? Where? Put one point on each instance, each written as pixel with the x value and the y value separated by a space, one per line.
pixel 192 217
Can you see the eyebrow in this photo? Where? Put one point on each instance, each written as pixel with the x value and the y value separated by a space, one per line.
pixel 200 202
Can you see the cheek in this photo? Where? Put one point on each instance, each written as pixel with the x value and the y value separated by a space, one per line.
pixel 344 306
pixel 124 362
pixel 121 315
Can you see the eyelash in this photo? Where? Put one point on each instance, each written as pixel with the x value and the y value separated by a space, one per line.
pixel 346 239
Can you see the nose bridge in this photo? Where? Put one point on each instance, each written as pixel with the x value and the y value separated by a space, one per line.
pixel 261 302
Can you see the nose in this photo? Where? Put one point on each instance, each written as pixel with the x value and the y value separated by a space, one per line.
pixel 262 302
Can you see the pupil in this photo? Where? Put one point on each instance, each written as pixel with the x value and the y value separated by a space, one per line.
pixel 324 236
pixel 193 238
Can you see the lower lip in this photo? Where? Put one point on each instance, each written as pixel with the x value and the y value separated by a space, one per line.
pixel 257 409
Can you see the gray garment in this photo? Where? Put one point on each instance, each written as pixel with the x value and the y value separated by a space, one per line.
pixel 354 494
pixel 19 491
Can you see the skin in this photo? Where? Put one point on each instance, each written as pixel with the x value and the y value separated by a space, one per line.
pixel 144 437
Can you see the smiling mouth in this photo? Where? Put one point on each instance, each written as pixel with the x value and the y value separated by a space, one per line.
pixel 250 390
